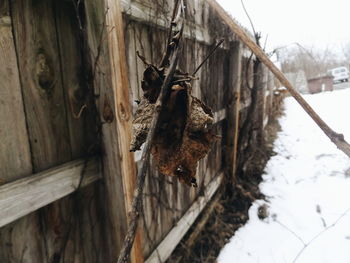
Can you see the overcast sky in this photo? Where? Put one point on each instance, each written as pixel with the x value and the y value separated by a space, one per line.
pixel 309 22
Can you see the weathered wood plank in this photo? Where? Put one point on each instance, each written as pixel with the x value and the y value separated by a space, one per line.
pixel 118 93
pixel 141 13
pixel 39 65
pixel 77 74
pixel 35 27
pixel 169 243
pixel 26 195
pixel 111 191
pixel 234 107
pixel 15 159
pixel 76 78
pixel 120 96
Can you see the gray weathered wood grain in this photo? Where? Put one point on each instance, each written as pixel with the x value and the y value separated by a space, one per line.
pixel 15 159
pixel 39 66
pixel 164 249
pixel 26 195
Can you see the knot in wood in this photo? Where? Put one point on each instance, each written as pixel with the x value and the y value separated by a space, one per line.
pixel 44 72
pixel 107 113
pixel 123 113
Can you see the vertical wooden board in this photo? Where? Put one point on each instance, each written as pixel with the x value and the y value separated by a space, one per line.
pixel 155 225
pixel 21 241
pixel 73 231
pixel 15 156
pixel 77 73
pixel 39 66
pixel 152 210
pixel 169 213
pixel 190 10
pixel 140 67
pixel 198 7
pixel 44 100
pixel 199 56
pixel 143 45
pixel 111 191
pixel 206 79
pixel 46 117
pixel 146 219
pixel 164 211
pixel 158 42
pixel 118 93
pixel 182 64
pixel 190 56
pixel 205 14
pixel 153 202
pixel 132 62
pixel 68 230
pixel 15 159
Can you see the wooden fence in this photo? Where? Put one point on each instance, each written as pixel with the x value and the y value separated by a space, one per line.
pixel 66 173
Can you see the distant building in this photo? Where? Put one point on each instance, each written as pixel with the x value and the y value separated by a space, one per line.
pixel 320 84
pixel 298 81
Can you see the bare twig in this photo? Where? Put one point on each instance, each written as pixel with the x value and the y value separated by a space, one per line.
pixel 291 231
pixel 250 20
pixel 174 19
pixel 143 59
pixel 319 234
pixel 208 56
pixel 336 138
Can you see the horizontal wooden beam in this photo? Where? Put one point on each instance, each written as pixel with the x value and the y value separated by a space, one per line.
pixel 139 12
pixel 26 195
pixel 169 243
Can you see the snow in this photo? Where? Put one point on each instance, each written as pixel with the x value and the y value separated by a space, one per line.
pixel 307 185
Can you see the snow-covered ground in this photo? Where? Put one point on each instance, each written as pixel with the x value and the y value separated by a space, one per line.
pixel 307 185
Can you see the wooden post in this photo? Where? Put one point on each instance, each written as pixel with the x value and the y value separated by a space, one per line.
pixel 233 107
pixel 261 106
pixel 237 92
pixel 121 107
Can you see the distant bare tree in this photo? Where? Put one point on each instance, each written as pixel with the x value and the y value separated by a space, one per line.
pixel 346 54
pixel 313 62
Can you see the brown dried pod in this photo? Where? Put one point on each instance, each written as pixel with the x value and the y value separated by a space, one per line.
pixel 183 135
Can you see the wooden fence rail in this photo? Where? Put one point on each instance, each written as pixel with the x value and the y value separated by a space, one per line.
pixel 26 195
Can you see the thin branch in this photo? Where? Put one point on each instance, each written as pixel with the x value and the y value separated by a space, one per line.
pixel 173 23
pixel 319 234
pixel 143 59
pixel 250 20
pixel 291 231
pixel 208 56
pixel 336 138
